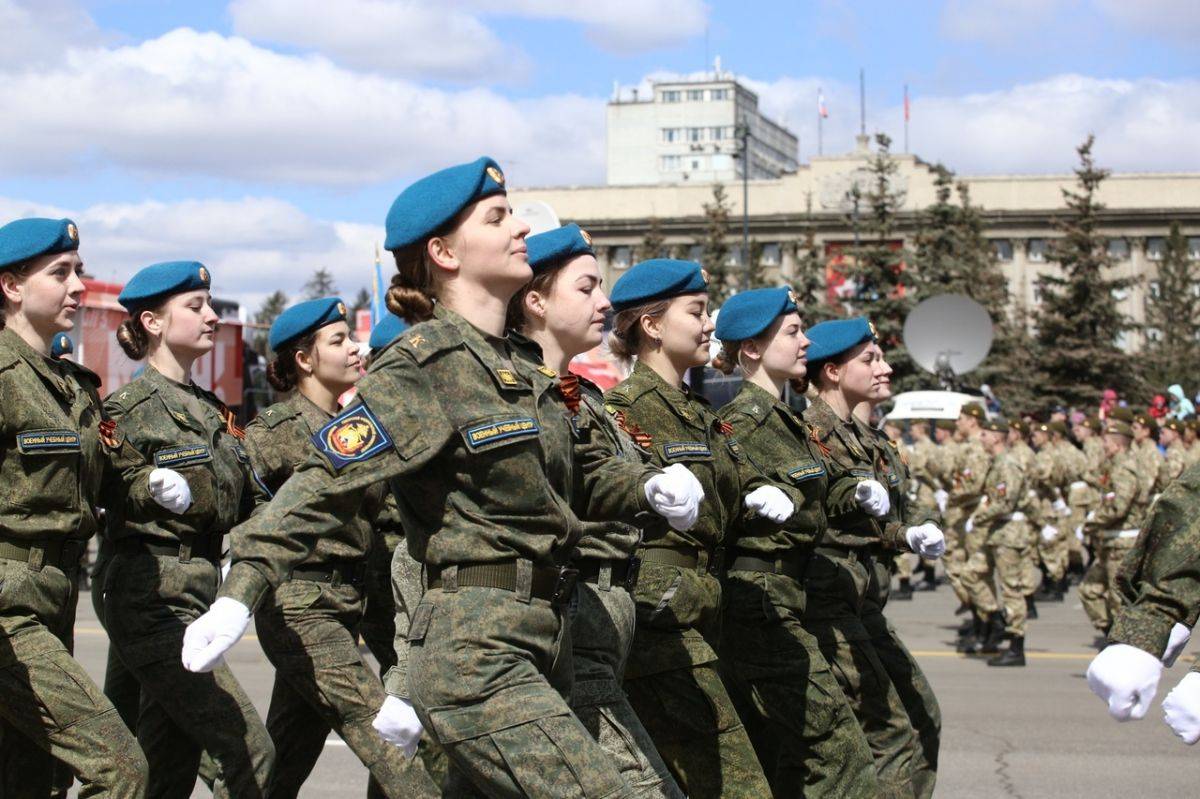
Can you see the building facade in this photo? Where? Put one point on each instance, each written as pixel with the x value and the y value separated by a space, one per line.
pixel 1018 212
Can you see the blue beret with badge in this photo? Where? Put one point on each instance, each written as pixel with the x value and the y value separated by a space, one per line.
pixel 386 331
pixel 834 337
pixel 749 313
pixel 303 318
pixel 28 238
pixel 159 281
pixel 61 345
pixel 657 279
pixel 556 247
pixel 428 205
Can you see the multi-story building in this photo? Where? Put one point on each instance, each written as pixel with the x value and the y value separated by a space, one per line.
pixel 692 131
pixel 1018 212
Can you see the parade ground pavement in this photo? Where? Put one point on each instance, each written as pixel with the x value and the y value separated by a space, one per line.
pixel 1021 732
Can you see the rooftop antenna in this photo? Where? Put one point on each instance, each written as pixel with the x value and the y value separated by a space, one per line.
pixel 862 102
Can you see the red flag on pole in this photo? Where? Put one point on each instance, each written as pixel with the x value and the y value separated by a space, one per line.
pixel 821 109
pixel 906 106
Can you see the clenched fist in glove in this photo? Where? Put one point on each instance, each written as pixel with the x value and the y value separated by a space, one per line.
pixel 676 494
pixel 1181 708
pixel 212 635
pixel 1126 678
pixel 926 540
pixel 397 723
pixel 170 489
pixel 1049 533
pixel 771 503
pixel 872 497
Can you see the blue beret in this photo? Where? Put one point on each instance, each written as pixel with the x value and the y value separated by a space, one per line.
pixel 426 206
pixel 386 331
pixel 61 345
pixel 159 281
pixel 303 318
pixel 836 336
pixel 29 238
pixel 657 279
pixel 749 313
pixel 555 247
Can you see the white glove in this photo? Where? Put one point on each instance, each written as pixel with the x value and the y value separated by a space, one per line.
pixel 676 494
pixel 1181 708
pixel 1126 678
pixel 1079 532
pixel 1049 533
pixel 1061 507
pixel 1180 634
pixel 170 489
pixel 872 497
pixel 1091 516
pixel 926 540
pixel 941 497
pixel 212 635
pixel 969 524
pixel 225 570
pixel 770 502
pixel 397 723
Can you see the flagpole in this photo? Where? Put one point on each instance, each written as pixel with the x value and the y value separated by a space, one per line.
pixel 820 121
pixel 906 119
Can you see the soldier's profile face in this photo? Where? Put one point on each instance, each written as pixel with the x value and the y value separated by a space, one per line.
pixel 488 246
pixel 48 294
pixel 189 323
pixel 685 330
pixel 574 307
pixel 784 348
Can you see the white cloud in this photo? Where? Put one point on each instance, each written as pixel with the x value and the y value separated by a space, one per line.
pixel 1173 20
pixel 37 33
pixel 201 103
pixel 253 246
pixel 619 26
pixel 999 22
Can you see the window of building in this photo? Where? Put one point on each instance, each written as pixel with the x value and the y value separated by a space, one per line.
pixel 1194 248
pixel 621 256
pixel 670 96
pixel 734 259
pixel 669 163
pixel 1118 249
pixel 771 254
pixel 695 134
pixel 718 94
pixel 1153 334
pixel 695 252
pixel 1155 289
pixel 1120 295
pixel 697 163
pixel 1002 249
pixel 695 95
pixel 716 134
pixel 672 134
pixel 1155 247
pixel 1036 248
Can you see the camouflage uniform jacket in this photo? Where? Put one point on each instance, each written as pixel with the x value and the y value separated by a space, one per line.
pixel 1119 486
pixel 851 455
pixel 780 443
pixel 1004 492
pixel 1173 466
pixel 481 453
pixel 922 459
pixel 278 441
pixel 672 425
pixel 1150 462
pixel 1047 480
pixel 971 468
pixel 892 463
pixel 54 460
pixel 190 430
pixel 1160 579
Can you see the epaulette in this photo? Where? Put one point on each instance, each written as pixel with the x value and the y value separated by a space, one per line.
pixel 277 414
pixel 753 409
pixel 591 389
pixel 628 392
pixel 424 340
pixel 83 374
pixel 131 395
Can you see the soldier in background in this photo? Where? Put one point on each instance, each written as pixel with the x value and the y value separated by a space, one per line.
pixel 965 497
pixel 1170 435
pixel 1150 460
pixel 1083 494
pixel 922 454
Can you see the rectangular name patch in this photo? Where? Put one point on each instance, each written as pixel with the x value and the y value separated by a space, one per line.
pixel 48 441
pixel 686 449
pixel 353 435
pixel 483 435
pixel 182 456
pixel 806 471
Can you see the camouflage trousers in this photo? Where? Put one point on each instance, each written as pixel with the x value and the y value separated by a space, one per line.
pixel 954 561
pixel 602 625
pixel 308 631
pixel 1098 590
pixel 488 674
pixel 148 601
pixel 50 709
pixel 1054 555
pixel 837 586
pixel 977 577
pixel 1015 570
pixel 674 684
pixel 798 719
pixel 120 686
pixel 921 707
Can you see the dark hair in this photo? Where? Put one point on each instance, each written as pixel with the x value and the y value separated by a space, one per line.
pixel 815 370
pixel 132 336
pixel 20 270
pixel 727 360
pixel 626 337
pixel 411 294
pixel 282 373
pixel 543 283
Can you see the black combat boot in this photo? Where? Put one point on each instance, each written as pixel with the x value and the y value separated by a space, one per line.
pixel 995 634
pixel 968 641
pixel 1030 607
pixel 1013 656
pixel 928 581
pixel 904 592
pixel 1046 588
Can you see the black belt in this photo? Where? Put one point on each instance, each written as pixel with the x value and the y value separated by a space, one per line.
pixel 206 546
pixel 352 572
pixel 64 554
pixel 621 572
pixel 792 564
pixel 685 558
pixel 852 554
pixel 555 585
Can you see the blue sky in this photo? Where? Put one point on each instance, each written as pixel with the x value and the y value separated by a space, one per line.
pixel 279 130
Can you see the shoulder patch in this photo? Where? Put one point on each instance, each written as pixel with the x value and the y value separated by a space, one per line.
pixel 187 455
pixel 47 442
pixel 686 450
pixel 353 435
pixel 485 435
pixel 806 471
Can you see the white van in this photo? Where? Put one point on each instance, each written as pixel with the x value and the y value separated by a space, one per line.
pixel 932 405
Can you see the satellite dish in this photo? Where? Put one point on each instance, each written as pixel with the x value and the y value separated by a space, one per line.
pixel 538 215
pixel 948 335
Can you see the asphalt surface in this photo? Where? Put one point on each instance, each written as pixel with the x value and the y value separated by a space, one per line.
pixel 1031 732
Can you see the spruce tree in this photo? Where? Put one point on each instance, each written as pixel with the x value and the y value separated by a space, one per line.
pixel 1173 315
pixel 362 301
pixel 266 315
pixel 1078 321
pixel 809 281
pixel 714 254
pixel 653 242
pixel 321 284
